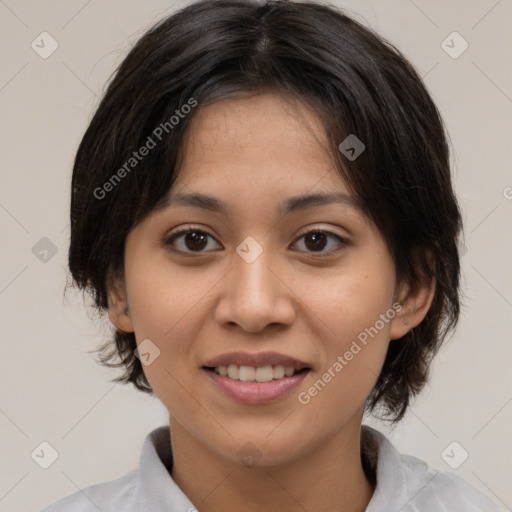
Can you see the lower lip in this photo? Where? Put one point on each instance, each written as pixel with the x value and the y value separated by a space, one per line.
pixel 256 392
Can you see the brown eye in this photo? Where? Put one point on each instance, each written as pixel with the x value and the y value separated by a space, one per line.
pixel 316 241
pixel 188 240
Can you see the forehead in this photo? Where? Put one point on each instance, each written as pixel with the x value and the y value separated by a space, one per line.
pixel 266 141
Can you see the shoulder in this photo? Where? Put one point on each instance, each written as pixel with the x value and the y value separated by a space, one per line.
pixel 407 482
pixel 111 496
pixel 441 491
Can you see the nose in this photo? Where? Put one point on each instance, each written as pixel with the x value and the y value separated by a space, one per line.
pixel 256 295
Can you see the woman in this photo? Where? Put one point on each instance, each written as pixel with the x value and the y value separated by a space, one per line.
pixel 263 204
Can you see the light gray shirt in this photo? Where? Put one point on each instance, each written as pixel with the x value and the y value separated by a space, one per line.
pixel 404 483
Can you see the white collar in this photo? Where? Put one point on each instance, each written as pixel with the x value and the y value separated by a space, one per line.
pixel 404 483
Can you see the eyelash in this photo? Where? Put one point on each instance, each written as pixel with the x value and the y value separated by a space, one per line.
pixel 168 240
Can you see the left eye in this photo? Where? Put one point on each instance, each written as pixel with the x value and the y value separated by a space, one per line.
pixel 194 240
pixel 317 240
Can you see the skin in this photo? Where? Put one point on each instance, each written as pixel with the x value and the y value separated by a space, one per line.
pixel 252 153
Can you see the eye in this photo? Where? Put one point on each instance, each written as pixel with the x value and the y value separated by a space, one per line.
pixel 317 239
pixel 191 239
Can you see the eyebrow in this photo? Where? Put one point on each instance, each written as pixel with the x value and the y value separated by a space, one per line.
pixel 290 205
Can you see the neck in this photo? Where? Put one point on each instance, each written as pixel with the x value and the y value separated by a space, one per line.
pixel 329 477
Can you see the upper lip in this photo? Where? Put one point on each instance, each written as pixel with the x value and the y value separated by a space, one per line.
pixel 255 360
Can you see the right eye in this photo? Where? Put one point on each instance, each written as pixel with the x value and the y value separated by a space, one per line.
pixel 189 239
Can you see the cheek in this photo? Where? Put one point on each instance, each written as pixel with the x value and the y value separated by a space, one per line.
pixel 352 302
pixel 167 306
pixel 163 297
pixel 355 314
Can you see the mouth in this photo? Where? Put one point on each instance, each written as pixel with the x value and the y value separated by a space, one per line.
pixel 258 367
pixel 256 374
pixel 255 378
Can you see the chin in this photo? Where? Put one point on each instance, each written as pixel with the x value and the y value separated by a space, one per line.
pixel 262 450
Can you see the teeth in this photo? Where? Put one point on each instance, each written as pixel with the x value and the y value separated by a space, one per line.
pixel 233 371
pixel 279 372
pixel 251 374
pixel 246 373
pixel 265 374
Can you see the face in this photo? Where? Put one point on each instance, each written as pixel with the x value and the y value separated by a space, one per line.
pixel 261 286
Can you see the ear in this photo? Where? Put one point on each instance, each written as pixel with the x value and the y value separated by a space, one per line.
pixel 118 311
pixel 416 302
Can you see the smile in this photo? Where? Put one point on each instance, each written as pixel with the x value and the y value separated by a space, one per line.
pixel 256 374
pixel 255 378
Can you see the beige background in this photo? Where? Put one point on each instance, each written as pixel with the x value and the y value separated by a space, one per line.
pixel 51 388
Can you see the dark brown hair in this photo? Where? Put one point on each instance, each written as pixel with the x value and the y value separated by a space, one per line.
pixel 357 82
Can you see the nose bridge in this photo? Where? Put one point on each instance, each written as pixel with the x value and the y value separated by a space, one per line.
pixel 253 279
pixel 254 296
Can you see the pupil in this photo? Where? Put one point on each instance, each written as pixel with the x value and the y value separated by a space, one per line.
pixel 196 238
pixel 318 239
